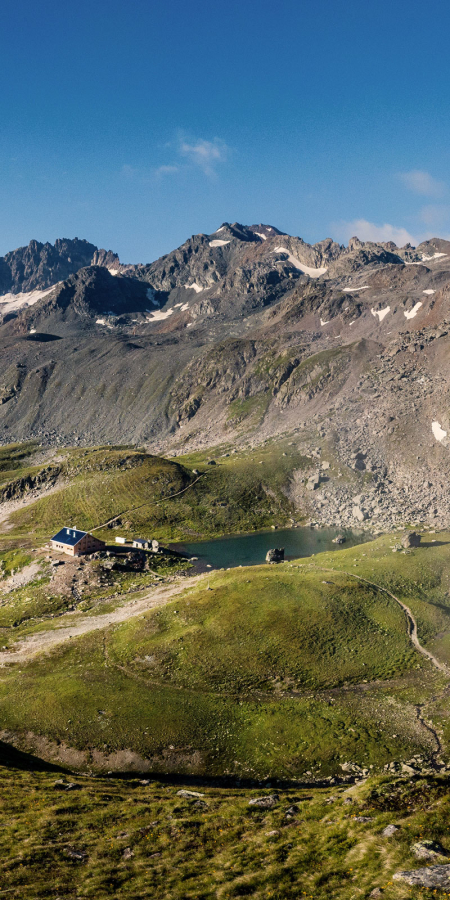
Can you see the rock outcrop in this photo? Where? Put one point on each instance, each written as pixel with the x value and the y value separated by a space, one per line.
pixel 275 556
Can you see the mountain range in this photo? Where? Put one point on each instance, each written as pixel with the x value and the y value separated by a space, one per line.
pixel 234 339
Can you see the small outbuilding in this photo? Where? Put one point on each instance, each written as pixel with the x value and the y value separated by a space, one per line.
pixel 141 544
pixel 75 542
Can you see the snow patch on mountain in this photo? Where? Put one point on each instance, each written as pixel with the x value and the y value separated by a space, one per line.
pixel 194 287
pixel 413 312
pixel 381 313
pixel 429 291
pixel 262 236
pixel 438 432
pixel 159 316
pixel 151 296
pixel 307 270
pixel 217 243
pixel 14 302
pixel 364 287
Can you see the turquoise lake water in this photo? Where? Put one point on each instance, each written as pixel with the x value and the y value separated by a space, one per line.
pixel 251 549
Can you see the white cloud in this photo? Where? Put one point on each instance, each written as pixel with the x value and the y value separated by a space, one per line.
pixel 204 154
pixel 167 170
pixel 369 231
pixel 189 152
pixel 420 182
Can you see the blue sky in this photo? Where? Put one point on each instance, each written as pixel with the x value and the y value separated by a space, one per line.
pixel 136 124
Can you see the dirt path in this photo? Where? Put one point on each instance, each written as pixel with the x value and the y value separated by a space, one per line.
pixel 20 579
pixel 411 622
pixel 45 640
pixel 147 503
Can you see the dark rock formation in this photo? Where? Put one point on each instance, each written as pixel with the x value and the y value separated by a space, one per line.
pixel 275 555
pixel 16 489
pixel 410 539
pixel 39 266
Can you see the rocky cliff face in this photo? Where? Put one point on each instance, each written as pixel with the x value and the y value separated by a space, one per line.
pixel 240 337
pixel 40 266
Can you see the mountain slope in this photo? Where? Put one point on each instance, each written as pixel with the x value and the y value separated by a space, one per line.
pixel 240 337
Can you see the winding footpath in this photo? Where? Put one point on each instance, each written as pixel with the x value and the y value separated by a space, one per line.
pixel 410 620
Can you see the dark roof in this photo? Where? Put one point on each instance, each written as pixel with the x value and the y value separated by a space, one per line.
pixel 69 536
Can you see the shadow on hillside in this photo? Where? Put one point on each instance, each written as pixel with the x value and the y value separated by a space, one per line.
pixel 432 544
pixel 228 781
pixel 42 337
pixel 12 758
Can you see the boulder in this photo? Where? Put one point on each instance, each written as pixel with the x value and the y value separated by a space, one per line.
pixel 339 539
pixel 437 877
pixel 275 556
pixel 190 795
pixel 428 850
pixel 264 802
pixel 410 539
pixel 389 830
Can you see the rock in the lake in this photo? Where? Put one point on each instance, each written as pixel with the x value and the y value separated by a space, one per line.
pixel 275 556
pixel 339 539
pixel 437 877
pixel 264 802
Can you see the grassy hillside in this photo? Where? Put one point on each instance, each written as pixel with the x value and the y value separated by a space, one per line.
pixel 261 672
pixel 242 492
pixel 107 837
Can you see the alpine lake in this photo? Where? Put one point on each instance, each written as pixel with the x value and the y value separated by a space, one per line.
pixel 250 549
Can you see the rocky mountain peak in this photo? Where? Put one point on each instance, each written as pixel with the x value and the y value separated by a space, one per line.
pixel 40 266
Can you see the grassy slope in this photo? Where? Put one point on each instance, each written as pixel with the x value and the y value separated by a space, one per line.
pixel 222 848
pixel 242 492
pixel 272 672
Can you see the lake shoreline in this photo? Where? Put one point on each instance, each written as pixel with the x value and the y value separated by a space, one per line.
pixel 250 548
